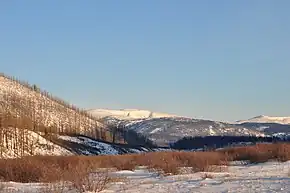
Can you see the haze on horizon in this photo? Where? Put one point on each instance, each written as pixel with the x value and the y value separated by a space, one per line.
pixel 220 60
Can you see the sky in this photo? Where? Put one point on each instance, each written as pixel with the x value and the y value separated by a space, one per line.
pixel 221 60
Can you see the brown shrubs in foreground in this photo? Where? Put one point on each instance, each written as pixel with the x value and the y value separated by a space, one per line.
pixel 259 153
pixel 71 168
pixel 76 169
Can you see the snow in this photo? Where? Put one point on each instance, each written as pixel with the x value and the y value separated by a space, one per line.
pixel 259 178
pixel 157 130
pixel 128 114
pixel 267 119
pixel 105 149
pixel 267 177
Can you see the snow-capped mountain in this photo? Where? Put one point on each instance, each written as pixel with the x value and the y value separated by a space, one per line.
pixel 127 114
pixel 267 119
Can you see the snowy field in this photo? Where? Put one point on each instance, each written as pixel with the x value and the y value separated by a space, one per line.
pixel 262 178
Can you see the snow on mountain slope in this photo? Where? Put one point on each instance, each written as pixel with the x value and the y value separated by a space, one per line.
pixel 82 145
pixel 267 119
pixel 163 131
pixel 128 114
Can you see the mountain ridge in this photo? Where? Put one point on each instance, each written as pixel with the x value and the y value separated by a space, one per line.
pixel 267 119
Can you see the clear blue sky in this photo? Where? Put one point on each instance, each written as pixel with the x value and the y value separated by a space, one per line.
pixel 222 60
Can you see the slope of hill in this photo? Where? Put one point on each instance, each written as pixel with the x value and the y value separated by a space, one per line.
pixel 127 114
pixel 61 145
pixel 28 114
pixel 23 142
pixel 166 130
pixel 21 99
pixel 267 119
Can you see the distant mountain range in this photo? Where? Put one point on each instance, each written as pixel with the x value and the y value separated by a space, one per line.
pixel 167 129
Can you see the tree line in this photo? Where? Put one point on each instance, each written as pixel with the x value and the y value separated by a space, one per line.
pixel 221 141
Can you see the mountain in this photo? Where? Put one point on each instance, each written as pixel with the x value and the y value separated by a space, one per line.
pixel 166 130
pixel 275 126
pixel 127 114
pixel 266 119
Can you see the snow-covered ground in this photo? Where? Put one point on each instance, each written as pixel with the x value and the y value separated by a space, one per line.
pixel 260 178
pixel 267 177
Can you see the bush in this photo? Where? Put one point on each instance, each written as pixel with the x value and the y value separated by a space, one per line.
pixel 259 153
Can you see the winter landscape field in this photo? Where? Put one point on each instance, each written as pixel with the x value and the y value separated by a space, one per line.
pixel 155 96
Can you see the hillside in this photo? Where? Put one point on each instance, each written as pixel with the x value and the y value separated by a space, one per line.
pixel 22 142
pixel 22 99
pixel 26 112
pixel 127 114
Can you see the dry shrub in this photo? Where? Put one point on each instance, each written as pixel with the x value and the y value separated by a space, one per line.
pixel 27 170
pixel 171 162
pixel 259 153
pixel 283 152
pixel 85 178
pixel 2 187
pixel 57 168
pixel 124 162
